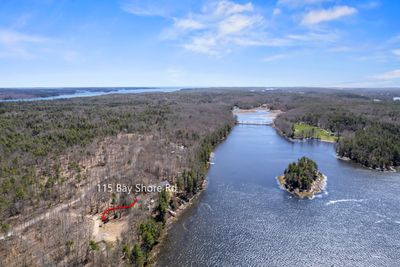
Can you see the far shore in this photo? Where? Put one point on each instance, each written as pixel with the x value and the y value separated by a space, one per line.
pixel 310 138
pixel 272 113
pixel 390 169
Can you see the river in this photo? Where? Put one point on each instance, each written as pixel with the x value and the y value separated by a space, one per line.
pixel 243 218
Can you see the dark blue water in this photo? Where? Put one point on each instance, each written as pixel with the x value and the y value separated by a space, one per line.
pixel 89 93
pixel 243 218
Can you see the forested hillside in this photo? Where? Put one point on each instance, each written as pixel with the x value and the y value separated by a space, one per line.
pixel 54 153
pixel 368 131
pixel 36 134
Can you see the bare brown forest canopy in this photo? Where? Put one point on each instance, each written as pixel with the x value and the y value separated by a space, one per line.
pixel 53 152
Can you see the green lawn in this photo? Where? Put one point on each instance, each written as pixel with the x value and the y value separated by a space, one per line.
pixel 302 130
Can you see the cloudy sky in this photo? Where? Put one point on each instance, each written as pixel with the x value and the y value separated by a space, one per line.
pixel 341 43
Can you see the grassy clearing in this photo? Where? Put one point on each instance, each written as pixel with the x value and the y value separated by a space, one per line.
pixel 302 130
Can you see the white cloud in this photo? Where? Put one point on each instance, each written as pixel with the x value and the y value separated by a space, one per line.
pixel 16 52
pixel 188 24
pixel 394 40
pixel 203 44
pixel 317 16
pixel 315 37
pixel 14 44
pixel 299 3
pixel 10 37
pixel 237 23
pixel 276 12
pixel 226 8
pixel 391 75
pixel 219 26
pixel 276 57
pixel 263 41
pixel 396 52
pixel 341 49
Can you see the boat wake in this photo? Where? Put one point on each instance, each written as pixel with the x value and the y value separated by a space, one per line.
pixel 331 202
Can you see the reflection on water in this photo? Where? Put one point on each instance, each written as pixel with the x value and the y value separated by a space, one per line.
pixel 244 219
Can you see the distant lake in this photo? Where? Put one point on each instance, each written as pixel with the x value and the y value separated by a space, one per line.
pixel 95 92
pixel 243 218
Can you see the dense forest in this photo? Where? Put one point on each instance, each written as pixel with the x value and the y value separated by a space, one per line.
pixel 39 133
pixel 54 153
pixel 376 146
pixel 301 174
pixel 367 131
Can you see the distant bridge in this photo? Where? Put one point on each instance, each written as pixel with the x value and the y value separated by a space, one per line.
pixel 254 123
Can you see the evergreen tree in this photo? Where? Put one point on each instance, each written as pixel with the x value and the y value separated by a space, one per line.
pixel 138 256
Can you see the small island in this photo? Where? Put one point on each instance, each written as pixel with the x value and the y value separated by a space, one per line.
pixel 303 179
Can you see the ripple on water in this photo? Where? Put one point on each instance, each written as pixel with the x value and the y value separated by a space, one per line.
pixel 244 219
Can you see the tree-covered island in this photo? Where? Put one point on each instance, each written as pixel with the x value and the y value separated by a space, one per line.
pixel 303 179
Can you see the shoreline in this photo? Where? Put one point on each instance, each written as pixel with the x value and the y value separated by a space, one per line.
pixel 175 215
pixel 237 110
pixel 307 139
pixel 171 222
pixel 318 187
pixel 312 138
pixel 172 219
pixel 298 139
pixel 392 169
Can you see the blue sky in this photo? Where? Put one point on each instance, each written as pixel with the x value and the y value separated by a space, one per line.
pixel 199 43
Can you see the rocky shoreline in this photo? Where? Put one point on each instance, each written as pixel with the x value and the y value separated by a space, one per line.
pixel 317 187
pixel 390 169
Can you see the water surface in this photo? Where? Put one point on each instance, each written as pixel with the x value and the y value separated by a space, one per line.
pixel 97 92
pixel 244 219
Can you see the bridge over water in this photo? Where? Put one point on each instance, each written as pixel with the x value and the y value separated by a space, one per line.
pixel 254 123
